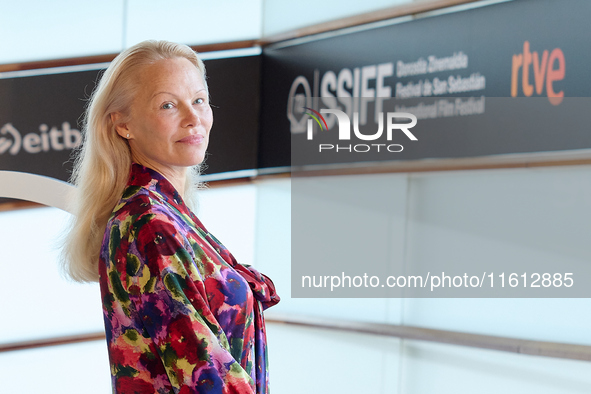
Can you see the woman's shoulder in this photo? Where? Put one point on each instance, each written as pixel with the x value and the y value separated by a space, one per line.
pixel 146 223
pixel 140 203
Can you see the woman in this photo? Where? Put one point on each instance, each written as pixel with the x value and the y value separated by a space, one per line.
pixel 181 315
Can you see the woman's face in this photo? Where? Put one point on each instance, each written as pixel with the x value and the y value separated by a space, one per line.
pixel 170 117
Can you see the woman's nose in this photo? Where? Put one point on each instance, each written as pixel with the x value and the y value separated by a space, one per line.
pixel 191 117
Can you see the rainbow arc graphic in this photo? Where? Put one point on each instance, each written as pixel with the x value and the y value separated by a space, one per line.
pixel 317 117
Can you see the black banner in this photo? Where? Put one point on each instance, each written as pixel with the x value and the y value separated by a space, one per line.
pixel 447 70
pixel 487 81
pixel 40 118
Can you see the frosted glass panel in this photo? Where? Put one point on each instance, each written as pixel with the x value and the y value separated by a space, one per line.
pixel 37 301
pixel 38 29
pixel 304 360
pixel 65 369
pixel 284 15
pixel 555 320
pixel 229 214
pixel 351 225
pixel 273 255
pixel 273 229
pixel 445 369
pixel 482 217
pixel 193 22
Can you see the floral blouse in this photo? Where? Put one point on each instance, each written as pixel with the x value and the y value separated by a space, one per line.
pixel 181 315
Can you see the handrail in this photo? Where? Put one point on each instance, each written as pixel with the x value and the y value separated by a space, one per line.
pixel 105 58
pixel 52 341
pixel 505 344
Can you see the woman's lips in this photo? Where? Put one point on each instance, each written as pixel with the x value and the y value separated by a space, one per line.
pixel 192 139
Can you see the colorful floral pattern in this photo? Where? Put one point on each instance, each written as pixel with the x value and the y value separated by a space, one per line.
pixel 181 315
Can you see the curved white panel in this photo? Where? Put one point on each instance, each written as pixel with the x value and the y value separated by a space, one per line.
pixel 36 188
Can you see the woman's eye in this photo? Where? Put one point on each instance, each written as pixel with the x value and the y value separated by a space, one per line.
pixel 199 101
pixel 167 106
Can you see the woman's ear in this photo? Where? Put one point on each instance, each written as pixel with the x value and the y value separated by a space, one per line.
pixel 120 127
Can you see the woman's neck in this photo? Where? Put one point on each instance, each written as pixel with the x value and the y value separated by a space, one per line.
pixel 177 176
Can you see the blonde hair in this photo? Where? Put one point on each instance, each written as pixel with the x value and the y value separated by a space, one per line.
pixel 102 164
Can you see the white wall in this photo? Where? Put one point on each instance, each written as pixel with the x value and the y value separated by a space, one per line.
pixel 521 213
pixel 541 213
pixel 38 303
pixel 284 15
pixel 193 22
pixel 40 30
pixel 254 221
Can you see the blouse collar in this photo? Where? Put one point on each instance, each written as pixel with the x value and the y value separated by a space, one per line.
pixel 152 180
pixel 261 286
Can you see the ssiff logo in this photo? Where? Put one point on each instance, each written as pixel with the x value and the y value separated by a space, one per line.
pixel 344 133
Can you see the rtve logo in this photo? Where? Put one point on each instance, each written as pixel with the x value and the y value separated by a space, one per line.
pixel 48 139
pixel 549 69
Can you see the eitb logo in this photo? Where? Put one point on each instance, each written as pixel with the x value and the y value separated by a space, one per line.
pixel 393 125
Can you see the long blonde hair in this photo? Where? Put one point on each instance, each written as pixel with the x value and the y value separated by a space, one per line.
pixel 102 164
